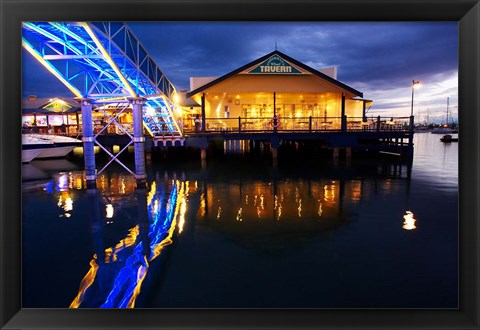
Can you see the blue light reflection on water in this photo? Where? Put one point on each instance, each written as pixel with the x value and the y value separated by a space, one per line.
pixel 354 253
pixel 128 280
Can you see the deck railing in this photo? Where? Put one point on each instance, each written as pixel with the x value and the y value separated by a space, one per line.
pixel 300 124
pixel 269 125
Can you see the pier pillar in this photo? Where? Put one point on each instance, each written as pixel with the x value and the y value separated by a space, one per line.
pixel 344 118
pixel 274 152
pixel 336 153
pixel 348 154
pixel 275 156
pixel 364 118
pixel 203 154
pixel 88 143
pixel 139 141
pixel 203 114
pixel 275 118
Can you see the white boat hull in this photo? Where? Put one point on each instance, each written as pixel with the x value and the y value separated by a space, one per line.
pixel 30 154
pixel 55 152
pixel 47 146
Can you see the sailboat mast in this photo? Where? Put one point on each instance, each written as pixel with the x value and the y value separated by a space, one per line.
pixel 448 99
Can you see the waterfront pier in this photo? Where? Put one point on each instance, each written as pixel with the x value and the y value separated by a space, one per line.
pixel 269 103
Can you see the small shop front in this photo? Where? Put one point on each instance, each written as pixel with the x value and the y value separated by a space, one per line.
pixel 58 116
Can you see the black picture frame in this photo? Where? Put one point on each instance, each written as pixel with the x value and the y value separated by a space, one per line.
pixel 13 12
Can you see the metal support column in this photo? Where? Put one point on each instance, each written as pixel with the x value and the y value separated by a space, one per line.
pixel 203 113
pixel 364 118
pixel 88 143
pixel 348 154
pixel 139 141
pixel 344 121
pixel 336 153
pixel 275 119
pixel 275 154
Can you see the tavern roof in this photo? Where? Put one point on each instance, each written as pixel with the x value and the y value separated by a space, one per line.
pixel 266 57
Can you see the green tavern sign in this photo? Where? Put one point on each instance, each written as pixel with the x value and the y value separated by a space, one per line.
pixel 275 64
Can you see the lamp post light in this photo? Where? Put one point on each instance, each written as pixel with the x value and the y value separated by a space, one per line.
pixel 415 84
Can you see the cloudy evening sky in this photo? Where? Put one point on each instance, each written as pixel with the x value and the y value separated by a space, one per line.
pixel 378 59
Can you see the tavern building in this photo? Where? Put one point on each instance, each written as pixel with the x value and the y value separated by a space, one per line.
pixel 277 85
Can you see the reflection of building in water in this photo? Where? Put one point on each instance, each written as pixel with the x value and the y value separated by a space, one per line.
pixel 278 215
pixel 114 187
pixel 288 212
pixel 279 201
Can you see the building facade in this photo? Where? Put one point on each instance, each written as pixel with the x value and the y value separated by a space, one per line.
pixel 277 92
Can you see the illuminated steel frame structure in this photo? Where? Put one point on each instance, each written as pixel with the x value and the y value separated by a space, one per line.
pixel 104 63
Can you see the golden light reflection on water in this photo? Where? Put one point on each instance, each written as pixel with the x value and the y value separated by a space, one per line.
pixel 262 199
pixel 85 283
pixel 111 254
pixel 65 202
pixel 409 221
pixel 78 183
pixel 289 199
pixel 68 204
pixel 329 193
pixel 202 205
pixel 141 273
pixel 109 211
pixel 183 209
pixel 240 214
pixel 356 188
pixel 299 208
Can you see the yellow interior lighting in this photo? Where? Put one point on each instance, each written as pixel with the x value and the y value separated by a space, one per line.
pixel 173 116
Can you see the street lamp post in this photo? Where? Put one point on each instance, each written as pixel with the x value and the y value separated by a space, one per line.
pixel 414 84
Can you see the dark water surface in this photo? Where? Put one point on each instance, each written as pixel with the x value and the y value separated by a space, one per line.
pixel 241 233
